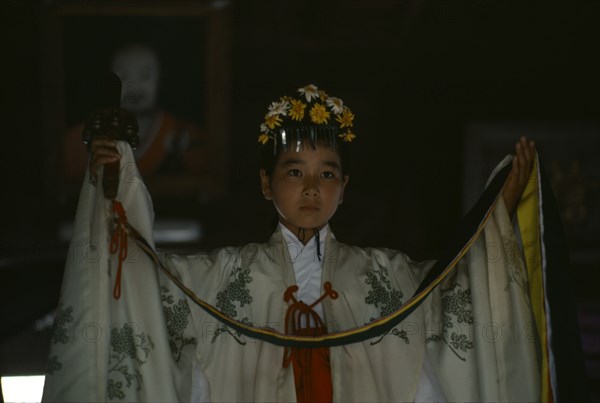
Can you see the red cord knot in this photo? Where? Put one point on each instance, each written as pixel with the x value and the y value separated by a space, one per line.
pixel 118 243
pixel 289 294
pixel 311 366
pixel 333 294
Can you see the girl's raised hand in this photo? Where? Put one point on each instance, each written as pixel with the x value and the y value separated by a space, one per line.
pixel 103 151
pixel 519 175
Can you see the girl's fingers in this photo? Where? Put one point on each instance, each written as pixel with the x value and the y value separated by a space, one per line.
pixel 106 152
pixel 103 140
pixel 103 151
pixel 99 143
pixel 515 166
pixel 526 150
pixel 521 168
pixel 522 157
pixel 525 155
pixel 532 150
pixel 104 146
pixel 102 160
pixel 101 147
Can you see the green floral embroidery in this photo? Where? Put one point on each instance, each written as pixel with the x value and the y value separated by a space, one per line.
pixel 126 344
pixel 384 297
pixel 461 342
pixel 64 316
pixel 236 293
pixel 176 316
pixel 115 390
pixel 456 310
pixel 516 270
pixel 53 365
pixel 60 334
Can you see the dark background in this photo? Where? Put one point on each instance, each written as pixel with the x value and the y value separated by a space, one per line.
pixel 414 73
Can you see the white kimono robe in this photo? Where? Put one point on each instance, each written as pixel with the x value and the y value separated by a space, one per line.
pixel 154 345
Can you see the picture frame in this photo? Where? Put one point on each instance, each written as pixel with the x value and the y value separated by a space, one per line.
pixel 192 44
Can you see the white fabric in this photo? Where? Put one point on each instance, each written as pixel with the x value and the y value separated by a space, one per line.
pixel 152 345
pixel 429 388
pixel 307 266
pixel 308 269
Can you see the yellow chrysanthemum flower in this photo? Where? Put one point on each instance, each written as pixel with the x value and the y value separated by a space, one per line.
pixel 318 114
pixel 272 121
pixel 263 138
pixel 348 136
pixel 323 95
pixel 296 112
pixel 345 119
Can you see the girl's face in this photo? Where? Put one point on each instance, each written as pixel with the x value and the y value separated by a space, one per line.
pixel 306 187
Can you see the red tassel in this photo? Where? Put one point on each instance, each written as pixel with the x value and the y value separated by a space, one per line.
pixel 312 373
pixel 118 243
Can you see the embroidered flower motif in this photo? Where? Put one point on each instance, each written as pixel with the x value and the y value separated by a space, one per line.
pixel 53 365
pixel 272 121
pixel 278 108
pixel 310 91
pixel 234 297
pixel 129 351
pixel 336 105
pixel 297 110
pixel 177 319
pixel 263 138
pixel 456 306
pixel 318 114
pixel 384 297
pixel 62 324
pixel 263 128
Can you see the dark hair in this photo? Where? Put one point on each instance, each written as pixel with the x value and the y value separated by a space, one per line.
pixel 270 152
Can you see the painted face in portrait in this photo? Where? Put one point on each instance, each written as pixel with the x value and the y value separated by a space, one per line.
pixel 138 68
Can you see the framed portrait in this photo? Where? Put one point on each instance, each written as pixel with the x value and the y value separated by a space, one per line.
pixel 172 59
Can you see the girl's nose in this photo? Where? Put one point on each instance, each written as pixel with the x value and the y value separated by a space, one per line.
pixel 311 186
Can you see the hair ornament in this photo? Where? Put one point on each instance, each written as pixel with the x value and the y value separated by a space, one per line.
pixel 311 115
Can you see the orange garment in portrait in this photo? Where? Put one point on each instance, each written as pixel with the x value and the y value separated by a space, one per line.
pixel 171 148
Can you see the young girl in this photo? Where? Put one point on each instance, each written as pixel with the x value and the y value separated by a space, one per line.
pixel 302 317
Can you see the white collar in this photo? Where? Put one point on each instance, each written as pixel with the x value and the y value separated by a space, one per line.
pixel 292 239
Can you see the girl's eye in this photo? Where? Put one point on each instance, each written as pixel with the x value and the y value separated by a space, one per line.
pixel 328 175
pixel 294 172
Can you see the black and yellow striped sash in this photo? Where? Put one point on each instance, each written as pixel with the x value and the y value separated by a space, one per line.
pixel 470 228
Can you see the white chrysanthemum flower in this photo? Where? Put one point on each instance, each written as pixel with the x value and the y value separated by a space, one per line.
pixel 263 128
pixel 310 91
pixel 336 105
pixel 278 108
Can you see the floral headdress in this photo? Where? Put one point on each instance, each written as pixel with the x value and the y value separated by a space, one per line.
pixel 313 114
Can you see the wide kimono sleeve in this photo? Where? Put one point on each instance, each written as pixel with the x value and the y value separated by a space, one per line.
pixel 137 347
pixel 488 324
pixel 480 331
